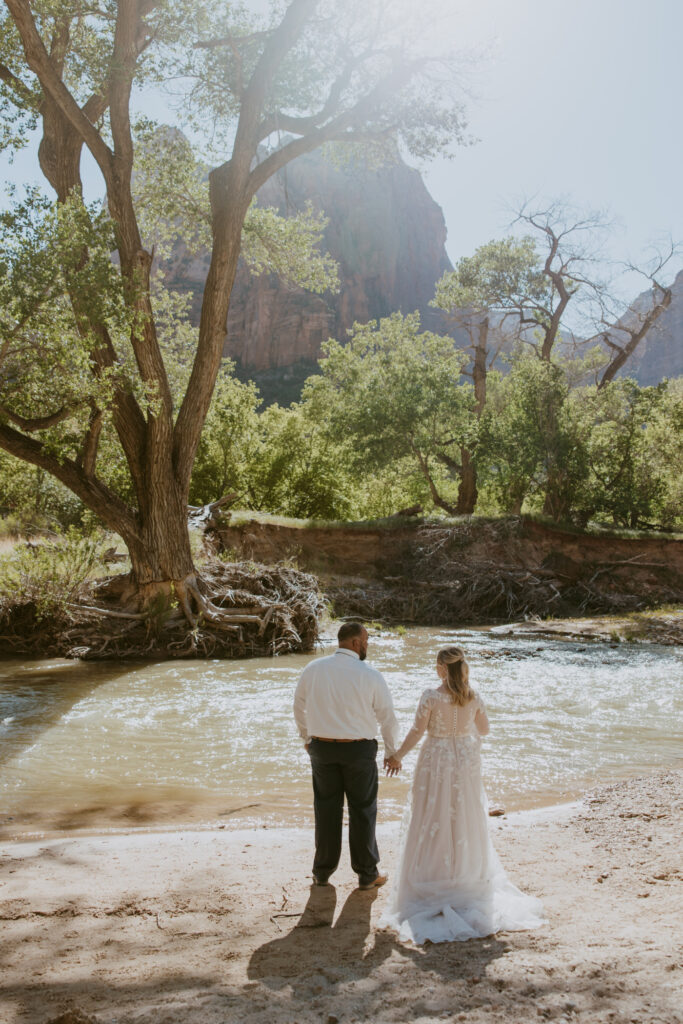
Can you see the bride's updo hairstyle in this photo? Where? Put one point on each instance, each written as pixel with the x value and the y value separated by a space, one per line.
pixel 457 679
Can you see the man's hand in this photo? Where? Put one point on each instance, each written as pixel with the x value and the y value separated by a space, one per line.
pixel 392 765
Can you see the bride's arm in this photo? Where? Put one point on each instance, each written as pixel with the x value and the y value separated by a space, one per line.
pixel 414 735
pixel 481 720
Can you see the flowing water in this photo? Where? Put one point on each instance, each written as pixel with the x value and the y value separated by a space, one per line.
pixel 113 744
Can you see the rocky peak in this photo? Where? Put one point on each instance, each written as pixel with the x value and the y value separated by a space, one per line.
pixel 388 237
pixel 660 353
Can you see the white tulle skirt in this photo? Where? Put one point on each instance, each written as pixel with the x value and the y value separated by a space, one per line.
pixel 450 884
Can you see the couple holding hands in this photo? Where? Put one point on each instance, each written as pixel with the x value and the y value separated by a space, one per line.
pixel 450 884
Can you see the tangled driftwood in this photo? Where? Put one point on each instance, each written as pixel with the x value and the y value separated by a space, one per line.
pixel 437 581
pixel 254 610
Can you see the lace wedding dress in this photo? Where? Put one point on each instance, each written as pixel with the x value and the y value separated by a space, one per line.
pixel 450 883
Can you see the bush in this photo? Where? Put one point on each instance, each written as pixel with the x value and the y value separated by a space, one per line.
pixel 49 576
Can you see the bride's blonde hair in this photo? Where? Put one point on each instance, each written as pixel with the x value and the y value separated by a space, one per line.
pixel 458 675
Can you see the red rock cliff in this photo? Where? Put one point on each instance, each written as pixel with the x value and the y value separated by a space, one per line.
pixel 388 237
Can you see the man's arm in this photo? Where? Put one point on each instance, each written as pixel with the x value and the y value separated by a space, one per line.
pixel 384 712
pixel 300 708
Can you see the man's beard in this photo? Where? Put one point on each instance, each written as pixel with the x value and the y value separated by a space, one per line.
pixel 363 653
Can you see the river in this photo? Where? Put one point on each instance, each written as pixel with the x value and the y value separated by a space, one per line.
pixel 110 745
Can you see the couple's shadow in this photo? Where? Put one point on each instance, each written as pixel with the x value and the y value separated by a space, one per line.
pixel 319 952
pixel 318 942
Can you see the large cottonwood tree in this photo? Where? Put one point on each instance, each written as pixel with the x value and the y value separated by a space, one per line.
pixel 268 89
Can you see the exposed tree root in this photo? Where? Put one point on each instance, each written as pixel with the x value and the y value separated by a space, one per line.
pixel 234 611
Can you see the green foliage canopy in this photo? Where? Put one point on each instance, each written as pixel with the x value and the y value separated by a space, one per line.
pixel 259 89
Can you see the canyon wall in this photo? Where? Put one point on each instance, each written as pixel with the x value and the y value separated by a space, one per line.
pixel 388 237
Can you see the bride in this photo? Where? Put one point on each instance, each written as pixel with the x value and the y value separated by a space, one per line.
pixel 450 883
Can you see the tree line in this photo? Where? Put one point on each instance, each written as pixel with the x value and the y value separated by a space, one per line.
pixel 383 427
pixel 110 402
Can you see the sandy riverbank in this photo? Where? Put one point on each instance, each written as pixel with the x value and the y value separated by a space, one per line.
pixel 204 927
pixel 663 626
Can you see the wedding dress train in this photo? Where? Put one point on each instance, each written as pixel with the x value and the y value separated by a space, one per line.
pixel 450 883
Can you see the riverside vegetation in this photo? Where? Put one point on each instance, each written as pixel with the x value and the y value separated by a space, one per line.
pixel 91 390
pixel 116 413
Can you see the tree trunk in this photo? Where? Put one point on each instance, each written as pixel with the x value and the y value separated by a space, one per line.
pixel 555 503
pixel 467 490
pixel 160 555
pixel 159 545
pixel 621 354
pixel 467 470
pixel 479 366
pixel 440 502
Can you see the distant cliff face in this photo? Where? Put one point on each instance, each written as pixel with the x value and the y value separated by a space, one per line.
pixel 388 237
pixel 660 353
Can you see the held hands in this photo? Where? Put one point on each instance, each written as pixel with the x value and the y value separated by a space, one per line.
pixel 392 765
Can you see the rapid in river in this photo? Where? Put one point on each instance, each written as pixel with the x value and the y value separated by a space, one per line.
pixel 114 744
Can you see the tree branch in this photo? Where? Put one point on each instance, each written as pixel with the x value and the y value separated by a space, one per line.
pixel 123 60
pixel 88 457
pixel 127 415
pixel 229 40
pixel 280 42
pixel 636 336
pixel 135 261
pixel 19 87
pixel 40 422
pixel 340 127
pixel 39 61
pixel 301 125
pixel 96 495
pixel 449 461
pixel 436 497
pixel 95 107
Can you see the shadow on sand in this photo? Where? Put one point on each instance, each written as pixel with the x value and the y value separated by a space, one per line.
pixel 319 952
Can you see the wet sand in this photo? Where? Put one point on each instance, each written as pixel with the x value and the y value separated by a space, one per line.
pixel 222 926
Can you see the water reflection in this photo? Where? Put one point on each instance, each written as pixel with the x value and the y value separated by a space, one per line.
pixel 111 743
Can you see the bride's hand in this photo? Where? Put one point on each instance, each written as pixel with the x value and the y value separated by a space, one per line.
pixel 392 765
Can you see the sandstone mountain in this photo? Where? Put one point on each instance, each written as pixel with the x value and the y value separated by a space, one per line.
pixel 660 353
pixel 388 237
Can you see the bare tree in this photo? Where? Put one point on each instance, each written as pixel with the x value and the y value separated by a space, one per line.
pixel 623 330
pixel 572 261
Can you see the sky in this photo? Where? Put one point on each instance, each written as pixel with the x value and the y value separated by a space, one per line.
pixel 578 100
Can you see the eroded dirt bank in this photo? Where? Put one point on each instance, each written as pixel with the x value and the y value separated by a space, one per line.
pixel 433 573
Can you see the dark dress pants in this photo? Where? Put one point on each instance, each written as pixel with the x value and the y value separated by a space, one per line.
pixel 345 769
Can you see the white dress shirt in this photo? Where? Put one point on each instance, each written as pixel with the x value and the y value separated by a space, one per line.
pixel 343 698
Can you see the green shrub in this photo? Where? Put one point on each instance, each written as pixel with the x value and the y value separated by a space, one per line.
pixel 50 575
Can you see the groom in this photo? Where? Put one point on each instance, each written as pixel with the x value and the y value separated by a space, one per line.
pixel 339 701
